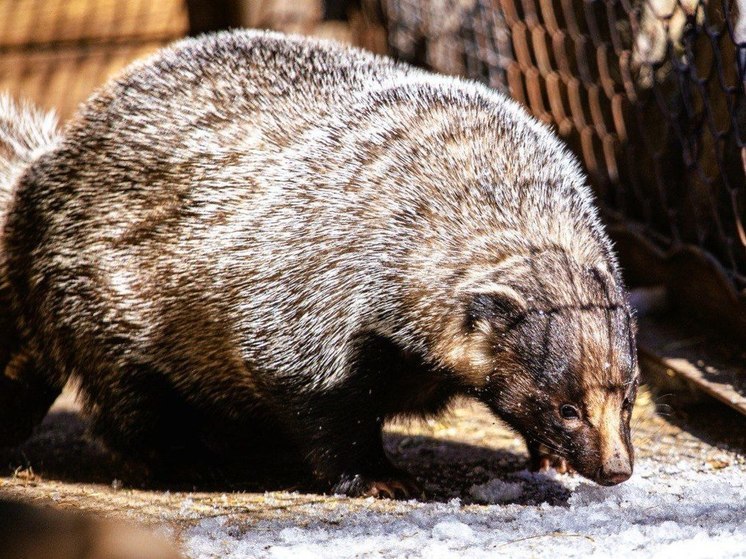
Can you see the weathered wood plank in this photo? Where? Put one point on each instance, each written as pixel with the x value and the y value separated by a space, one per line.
pixel 687 350
pixel 26 22
pixel 61 80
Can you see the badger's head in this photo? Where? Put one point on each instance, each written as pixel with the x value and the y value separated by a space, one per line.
pixel 548 345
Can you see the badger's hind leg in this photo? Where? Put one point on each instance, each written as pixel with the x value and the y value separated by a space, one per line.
pixel 26 394
pixel 167 429
pixel 141 416
pixel 27 389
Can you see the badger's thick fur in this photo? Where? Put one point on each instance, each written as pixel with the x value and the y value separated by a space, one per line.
pixel 252 233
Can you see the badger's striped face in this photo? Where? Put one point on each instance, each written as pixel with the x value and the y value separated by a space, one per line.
pixel 560 366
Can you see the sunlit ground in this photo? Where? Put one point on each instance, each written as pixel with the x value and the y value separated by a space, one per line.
pixel 688 494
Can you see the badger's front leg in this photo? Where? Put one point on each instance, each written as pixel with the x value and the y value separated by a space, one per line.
pixel 342 442
pixel 341 422
pixel 353 461
pixel 541 458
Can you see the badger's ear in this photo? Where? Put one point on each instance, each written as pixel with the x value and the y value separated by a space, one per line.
pixel 493 307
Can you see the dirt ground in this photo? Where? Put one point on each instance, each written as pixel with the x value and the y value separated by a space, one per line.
pixel 61 465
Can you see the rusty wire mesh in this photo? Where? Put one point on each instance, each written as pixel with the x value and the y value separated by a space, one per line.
pixel 649 94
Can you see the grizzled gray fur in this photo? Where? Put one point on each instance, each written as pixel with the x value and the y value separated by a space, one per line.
pixel 253 235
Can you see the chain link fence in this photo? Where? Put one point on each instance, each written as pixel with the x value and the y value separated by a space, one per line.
pixel 649 94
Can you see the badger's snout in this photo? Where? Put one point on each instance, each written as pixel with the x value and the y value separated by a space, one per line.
pixel 616 461
pixel 614 471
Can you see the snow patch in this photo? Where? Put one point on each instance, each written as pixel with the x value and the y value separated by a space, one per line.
pixel 452 529
pixel 496 491
pixel 663 511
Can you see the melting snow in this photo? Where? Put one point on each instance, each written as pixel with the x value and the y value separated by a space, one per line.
pixel 663 511
pixel 496 491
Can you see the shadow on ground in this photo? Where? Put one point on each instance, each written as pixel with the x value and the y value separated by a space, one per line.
pixel 61 450
pixel 467 449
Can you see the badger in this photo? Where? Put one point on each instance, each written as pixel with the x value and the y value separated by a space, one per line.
pixel 254 235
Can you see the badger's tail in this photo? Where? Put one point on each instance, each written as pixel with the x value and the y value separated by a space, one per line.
pixel 25 133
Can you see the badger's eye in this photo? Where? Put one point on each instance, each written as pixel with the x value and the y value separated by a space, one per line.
pixel 569 412
pixel 627 404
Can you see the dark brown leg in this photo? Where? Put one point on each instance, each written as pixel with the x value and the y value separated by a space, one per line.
pixel 25 398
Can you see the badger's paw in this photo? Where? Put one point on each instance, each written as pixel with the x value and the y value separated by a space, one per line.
pixel 398 486
pixel 545 462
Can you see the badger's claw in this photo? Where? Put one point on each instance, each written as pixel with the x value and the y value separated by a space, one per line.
pixel 399 486
pixel 404 488
pixel 548 461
